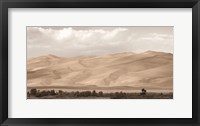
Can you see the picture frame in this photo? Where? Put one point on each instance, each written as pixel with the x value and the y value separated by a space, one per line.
pixel 4 61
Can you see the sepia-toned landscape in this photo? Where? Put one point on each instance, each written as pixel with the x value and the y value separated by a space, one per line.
pixel 124 74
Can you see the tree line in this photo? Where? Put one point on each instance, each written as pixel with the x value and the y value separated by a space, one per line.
pixel 75 94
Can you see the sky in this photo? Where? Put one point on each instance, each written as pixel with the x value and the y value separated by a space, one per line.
pixel 84 40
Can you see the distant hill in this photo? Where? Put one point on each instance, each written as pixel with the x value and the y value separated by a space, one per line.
pixel 150 70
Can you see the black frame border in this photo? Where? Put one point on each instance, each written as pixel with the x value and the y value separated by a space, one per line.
pixel 6 4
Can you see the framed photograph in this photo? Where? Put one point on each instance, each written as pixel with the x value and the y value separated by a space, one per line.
pixel 84 62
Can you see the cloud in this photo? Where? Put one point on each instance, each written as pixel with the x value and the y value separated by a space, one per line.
pixel 73 41
pixel 155 41
pixel 156 37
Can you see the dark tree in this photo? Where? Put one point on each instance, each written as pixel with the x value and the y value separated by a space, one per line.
pixel 44 93
pixel 77 94
pixel 94 93
pixel 38 94
pixel 100 94
pixel 60 92
pixel 88 93
pixel 28 94
pixel 33 91
pixel 143 92
pixel 52 92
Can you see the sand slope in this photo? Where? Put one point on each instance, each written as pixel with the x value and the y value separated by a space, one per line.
pixel 151 70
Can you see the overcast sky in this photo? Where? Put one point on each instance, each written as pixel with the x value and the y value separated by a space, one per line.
pixel 75 41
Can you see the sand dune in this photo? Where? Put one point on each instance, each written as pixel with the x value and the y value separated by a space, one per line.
pixel 150 70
